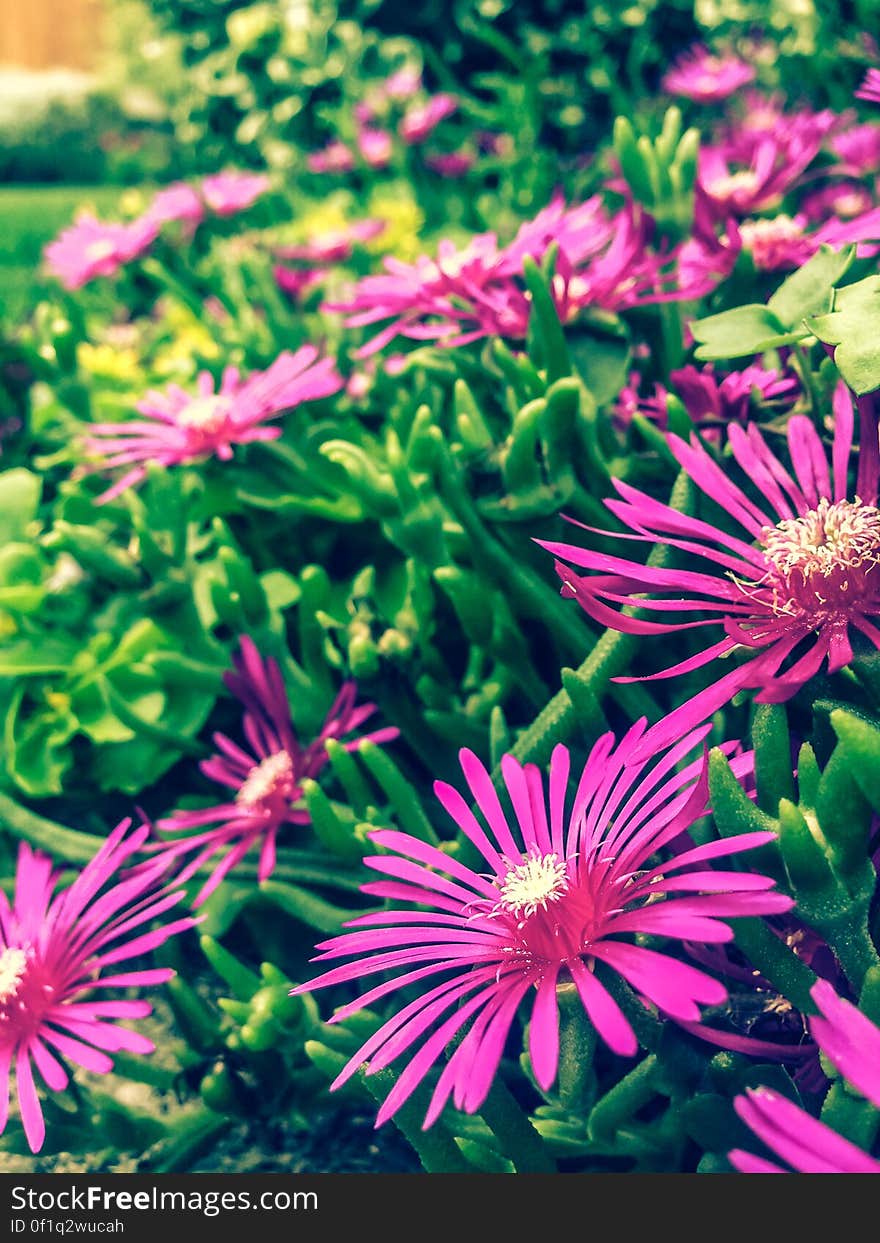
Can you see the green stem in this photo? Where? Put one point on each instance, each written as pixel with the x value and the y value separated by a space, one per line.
pixel 436 1148
pixel 518 1138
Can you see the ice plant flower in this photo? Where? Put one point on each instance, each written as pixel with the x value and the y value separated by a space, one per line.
pixel 376 146
pixel 705 78
pixel 90 248
pixel 176 202
pixel 710 401
pixel 783 242
pixel 451 163
pixel 55 947
pixel 402 84
pixel 787 590
pixel 858 149
pixel 296 282
pixel 737 185
pixel 228 193
pixel 420 120
pixel 186 427
pixel 336 157
pixel 555 895
pixel 478 291
pixel 267 778
pixel 852 1043
pixel 334 246
pixel 870 87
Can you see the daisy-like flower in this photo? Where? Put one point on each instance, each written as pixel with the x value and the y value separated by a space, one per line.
pixel 710 401
pixel 852 1043
pixel 705 78
pixel 737 183
pixel 787 589
pixel 451 163
pixel 54 951
pixel 296 282
pixel 870 87
pixel 336 157
pixel 177 202
pixel 90 248
pixel 420 121
pixel 783 241
pixel 185 427
pixel 230 192
pixel 843 199
pixel 267 779
pixel 478 291
pixel 376 146
pixel 334 246
pixel 858 149
pixel 557 894
pixel 402 84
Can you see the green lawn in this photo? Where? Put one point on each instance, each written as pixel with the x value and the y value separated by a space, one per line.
pixel 30 216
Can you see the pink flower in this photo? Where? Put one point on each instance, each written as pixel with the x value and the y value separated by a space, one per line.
pixel 91 247
pixel 788 241
pixel 771 169
pixel 554 896
pixel 788 588
pixel 402 84
pixel 176 202
pixel 705 78
pixel 870 88
pixel 336 157
pixel 421 120
pixel 231 192
pixel 710 401
pixel 296 282
pixel 185 427
pixel 852 1043
pixel 375 146
pixel 452 163
pixel 268 778
pixel 468 294
pixel 843 199
pixel 858 149
pixel 336 245
pixel 54 948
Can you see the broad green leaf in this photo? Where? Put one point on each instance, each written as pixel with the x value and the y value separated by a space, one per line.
pixel 853 326
pixel 742 331
pixel 810 290
pixel 602 361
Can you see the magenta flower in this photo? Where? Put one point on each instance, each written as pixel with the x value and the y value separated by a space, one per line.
pixel 176 202
pixel 90 247
pixel 268 778
pixel 858 149
pixel 451 163
pixel 54 948
pixel 296 282
pixel 336 157
pixel 187 427
pixel 376 146
pixel 557 894
pixel 228 193
pixel 870 87
pixel 420 121
pixel 711 402
pixel 402 84
pixel 784 242
pixel 705 78
pixel 334 246
pixel 843 199
pixel 788 589
pixel 742 184
pixel 852 1043
pixel 464 295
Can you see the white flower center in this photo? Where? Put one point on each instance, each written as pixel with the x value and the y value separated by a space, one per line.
pixel 539 879
pixel 13 964
pixel 780 228
pixel 205 413
pixel 101 249
pixel 726 186
pixel 833 538
pixel 273 776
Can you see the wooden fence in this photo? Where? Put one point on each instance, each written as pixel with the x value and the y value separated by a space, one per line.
pixel 50 34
